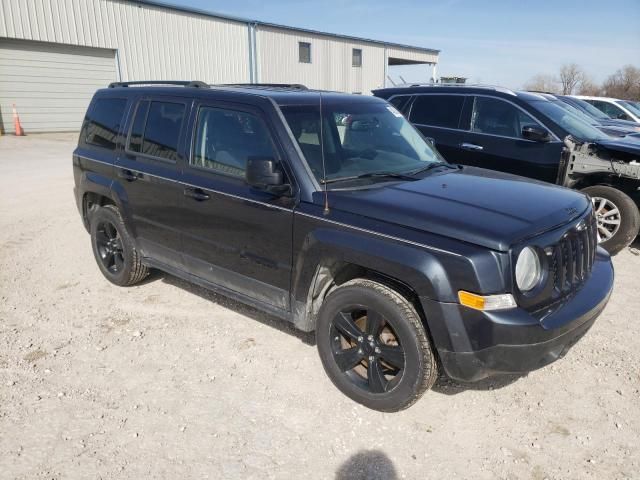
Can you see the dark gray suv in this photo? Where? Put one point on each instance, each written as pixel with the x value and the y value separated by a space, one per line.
pixel 534 135
pixel 332 212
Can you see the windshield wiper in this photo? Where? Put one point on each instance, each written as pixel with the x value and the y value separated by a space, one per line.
pixel 433 165
pixel 399 176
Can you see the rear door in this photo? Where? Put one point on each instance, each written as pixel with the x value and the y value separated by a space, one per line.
pixel 147 174
pixel 437 116
pixel 494 141
pixel 234 236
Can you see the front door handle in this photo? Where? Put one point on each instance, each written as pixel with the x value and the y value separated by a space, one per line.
pixel 196 193
pixel 128 175
pixel 472 146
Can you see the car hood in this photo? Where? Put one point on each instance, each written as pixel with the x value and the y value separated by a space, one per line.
pixel 492 209
pixel 628 146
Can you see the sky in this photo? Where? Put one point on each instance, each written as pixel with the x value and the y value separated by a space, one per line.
pixel 498 42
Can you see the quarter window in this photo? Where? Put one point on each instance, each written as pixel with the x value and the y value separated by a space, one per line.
pixel 437 110
pixel 497 117
pixel 304 52
pixel 103 122
pixel 356 57
pixel 156 129
pixel 226 139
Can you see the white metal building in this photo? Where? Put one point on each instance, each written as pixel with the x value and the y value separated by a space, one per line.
pixel 55 53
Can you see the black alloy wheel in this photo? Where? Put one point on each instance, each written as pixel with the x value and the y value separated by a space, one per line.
pixel 114 249
pixel 109 245
pixel 374 345
pixel 366 348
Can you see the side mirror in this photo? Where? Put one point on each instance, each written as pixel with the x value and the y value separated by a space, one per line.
pixel 264 174
pixel 535 133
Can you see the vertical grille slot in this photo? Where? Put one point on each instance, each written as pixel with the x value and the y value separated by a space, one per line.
pixel 573 257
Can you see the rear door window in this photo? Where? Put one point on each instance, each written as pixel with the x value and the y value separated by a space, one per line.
pixel 400 101
pixel 156 129
pixel 437 110
pixel 103 122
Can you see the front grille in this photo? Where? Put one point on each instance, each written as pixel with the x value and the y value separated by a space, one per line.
pixel 573 256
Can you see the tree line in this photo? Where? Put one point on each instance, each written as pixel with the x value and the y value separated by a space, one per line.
pixel 573 80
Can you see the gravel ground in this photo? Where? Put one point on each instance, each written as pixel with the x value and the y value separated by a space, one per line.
pixel 167 380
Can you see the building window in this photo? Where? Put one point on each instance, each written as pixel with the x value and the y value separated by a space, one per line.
pixel 356 57
pixel 304 52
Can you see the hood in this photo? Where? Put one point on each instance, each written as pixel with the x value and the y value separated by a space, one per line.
pixel 483 207
pixel 628 146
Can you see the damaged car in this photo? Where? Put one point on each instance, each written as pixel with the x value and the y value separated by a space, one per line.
pixel 531 135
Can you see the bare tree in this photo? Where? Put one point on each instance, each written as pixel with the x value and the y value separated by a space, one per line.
pixel 571 75
pixel 625 83
pixel 589 87
pixel 542 83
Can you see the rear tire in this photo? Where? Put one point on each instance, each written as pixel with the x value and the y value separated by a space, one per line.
pixel 113 248
pixel 374 347
pixel 618 217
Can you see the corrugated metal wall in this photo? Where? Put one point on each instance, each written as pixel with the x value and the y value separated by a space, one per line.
pixel 330 66
pixel 152 42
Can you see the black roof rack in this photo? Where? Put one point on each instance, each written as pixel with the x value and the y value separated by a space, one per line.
pixel 290 86
pixel 182 83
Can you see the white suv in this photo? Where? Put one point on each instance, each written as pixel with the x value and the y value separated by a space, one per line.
pixel 615 108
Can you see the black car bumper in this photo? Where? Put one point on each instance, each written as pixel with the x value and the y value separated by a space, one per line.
pixel 473 344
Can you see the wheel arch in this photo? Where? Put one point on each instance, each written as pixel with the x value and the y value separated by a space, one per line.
pixel 327 262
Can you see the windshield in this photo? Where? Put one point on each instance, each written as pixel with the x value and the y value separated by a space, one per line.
pixel 631 106
pixel 590 109
pixel 575 111
pixel 570 122
pixel 360 138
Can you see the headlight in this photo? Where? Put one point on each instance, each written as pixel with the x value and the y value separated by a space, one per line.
pixel 528 269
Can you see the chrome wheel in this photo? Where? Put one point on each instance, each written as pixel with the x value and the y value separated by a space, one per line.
pixel 608 217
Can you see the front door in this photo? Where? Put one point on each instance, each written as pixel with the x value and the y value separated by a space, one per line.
pixel 495 141
pixel 148 172
pixel 234 236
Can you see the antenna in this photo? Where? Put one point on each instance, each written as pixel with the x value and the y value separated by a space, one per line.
pixel 324 168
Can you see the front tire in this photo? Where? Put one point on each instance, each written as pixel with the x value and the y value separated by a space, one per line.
pixel 113 248
pixel 374 347
pixel 618 217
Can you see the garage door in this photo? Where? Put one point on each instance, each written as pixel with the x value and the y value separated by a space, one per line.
pixel 50 84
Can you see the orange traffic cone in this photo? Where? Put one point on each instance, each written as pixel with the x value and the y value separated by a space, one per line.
pixel 16 123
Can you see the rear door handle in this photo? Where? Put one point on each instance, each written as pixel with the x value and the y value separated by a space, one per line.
pixel 196 193
pixel 472 146
pixel 128 175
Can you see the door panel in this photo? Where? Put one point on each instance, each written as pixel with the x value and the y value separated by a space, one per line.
pixel 495 142
pixel 234 236
pixel 149 174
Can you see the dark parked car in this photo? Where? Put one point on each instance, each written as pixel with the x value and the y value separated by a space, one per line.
pixel 332 212
pixel 598 115
pixel 532 135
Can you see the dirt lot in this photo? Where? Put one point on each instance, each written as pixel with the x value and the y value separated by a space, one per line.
pixel 166 380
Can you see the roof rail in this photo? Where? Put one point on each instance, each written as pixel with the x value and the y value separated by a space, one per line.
pixel 463 85
pixel 292 86
pixel 182 83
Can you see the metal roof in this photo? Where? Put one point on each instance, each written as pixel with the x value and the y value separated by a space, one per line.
pixel 197 11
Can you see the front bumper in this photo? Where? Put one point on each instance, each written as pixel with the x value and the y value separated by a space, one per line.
pixel 473 344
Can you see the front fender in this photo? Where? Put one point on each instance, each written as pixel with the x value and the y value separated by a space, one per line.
pixel 430 273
